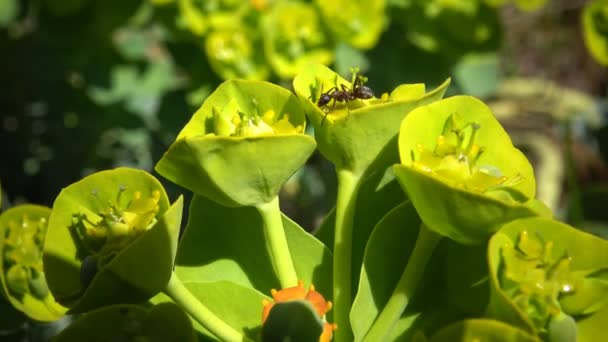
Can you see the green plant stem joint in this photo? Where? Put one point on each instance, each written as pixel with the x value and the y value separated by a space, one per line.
pixel 535 279
pixel 106 233
pixel 22 257
pixel 455 160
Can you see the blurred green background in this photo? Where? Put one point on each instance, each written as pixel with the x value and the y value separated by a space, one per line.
pixel 89 85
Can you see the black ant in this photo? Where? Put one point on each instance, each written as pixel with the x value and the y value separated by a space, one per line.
pixel 344 94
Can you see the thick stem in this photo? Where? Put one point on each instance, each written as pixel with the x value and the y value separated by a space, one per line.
pixel 397 303
pixel 188 302
pixel 343 241
pixel 276 243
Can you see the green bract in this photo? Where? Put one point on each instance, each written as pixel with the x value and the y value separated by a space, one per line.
pixel 294 38
pixel 359 23
pixel 595 29
pixel 22 232
pixel 161 323
pixel 354 134
pixel 112 238
pixel 549 279
pixel 241 146
pixel 461 171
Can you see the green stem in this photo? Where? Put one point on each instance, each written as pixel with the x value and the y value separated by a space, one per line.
pixel 188 302
pixel 343 241
pixel 397 303
pixel 276 243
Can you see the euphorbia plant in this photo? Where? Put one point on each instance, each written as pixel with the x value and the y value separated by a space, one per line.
pixel 436 232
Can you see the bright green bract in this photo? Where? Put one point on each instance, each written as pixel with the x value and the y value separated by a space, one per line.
pixel 112 238
pixel 461 171
pixel 241 146
pixel 354 134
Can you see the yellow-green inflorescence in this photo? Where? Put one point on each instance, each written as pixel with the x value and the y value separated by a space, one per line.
pixel 455 160
pixel 535 277
pixel 231 121
pixel 22 257
pixel 107 232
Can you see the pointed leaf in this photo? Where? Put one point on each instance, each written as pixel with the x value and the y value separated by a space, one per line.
pixel 223 243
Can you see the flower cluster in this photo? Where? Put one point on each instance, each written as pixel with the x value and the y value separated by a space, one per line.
pixel 22 256
pixel 535 278
pixel 456 156
pixel 106 233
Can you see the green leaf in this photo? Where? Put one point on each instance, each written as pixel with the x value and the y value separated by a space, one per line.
pixel 137 271
pixel 594 18
pixel 353 139
pixel 589 259
pixel 239 170
pixel 482 330
pixel 386 255
pixel 294 320
pixel 22 234
pixel 237 305
pixel 222 243
pixel 590 328
pixel 468 291
pixel 163 322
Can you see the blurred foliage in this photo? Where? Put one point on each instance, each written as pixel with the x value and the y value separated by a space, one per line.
pixel 595 28
pixel 90 85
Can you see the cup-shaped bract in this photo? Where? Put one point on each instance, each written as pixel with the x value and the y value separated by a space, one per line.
pixel 112 238
pixel 22 232
pixel 461 170
pixel 241 146
pixel 549 279
pixel 294 37
pixel 353 134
